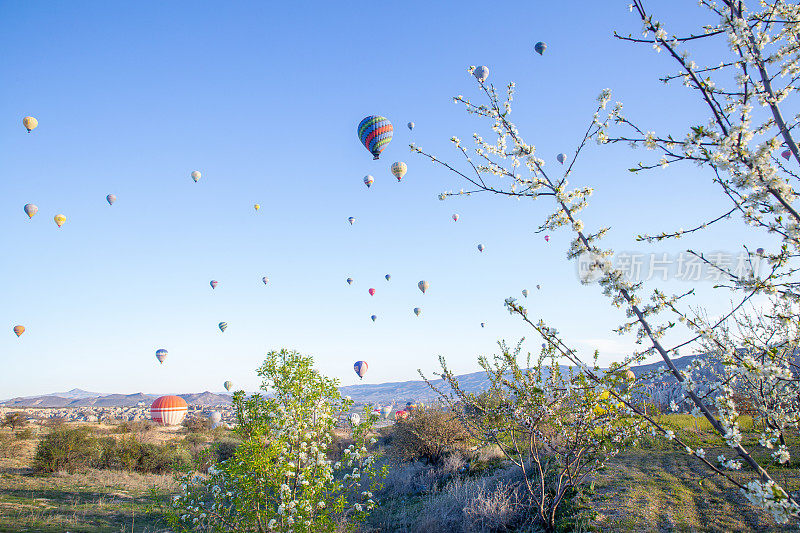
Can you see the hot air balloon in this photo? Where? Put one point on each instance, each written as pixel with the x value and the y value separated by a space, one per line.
pixel 351 220
pixel 417 311
pixel 265 279
pixel 561 158
pixel 228 384
pixel 480 247
pixel 375 132
pixel 349 281
pixel 168 410
pixel 760 251
pixel 411 126
pixel 196 175
pixel 786 154
pixel 483 324
pixel 423 286
pixel 374 317
pixel 60 219
pixel 368 181
pixel 399 169
pixel 547 238
pixel 361 368
pixel 30 210
pixel 481 73
pixel 400 415
pixel 30 123
pixel 215 418
pixel 355 419
pixel 455 217
pixel 372 292
pixel 410 406
pixel 214 283
pixel 538 287
pixel 525 292
pixel 111 199
pixel 540 47
pixel 161 354
pixel 256 206
pixel 388 277
pixel 19 330
pixel 223 326
pixel 386 410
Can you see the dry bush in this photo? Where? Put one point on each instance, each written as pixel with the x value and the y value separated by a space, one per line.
pixel 197 424
pixel 429 435
pixel 67 449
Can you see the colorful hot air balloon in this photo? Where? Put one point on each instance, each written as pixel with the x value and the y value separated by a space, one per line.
pixel 375 132
pixel 111 199
pixel 483 324
pixel 368 181
pixel 19 330
pixel 361 368
pixel 410 406
pixel 215 418
pixel 223 326
pixel 525 292
pixel 386 410
pixel 265 279
pixel 349 281
pixel 561 158
pixel 354 419
pixel 214 283
pixel 399 169
pixel 455 217
pixel 786 154
pixel 60 219
pixel 540 47
pixel 481 73
pixel 423 286
pixel 168 410
pixel 351 220
pixel 411 126
pixel 388 277
pixel 228 385
pixel 196 175
pixel 374 317
pixel 372 292
pixel 400 415
pixel 547 238
pixel 30 123
pixel 760 251
pixel 30 210
pixel 538 286
pixel 256 206
pixel 417 311
pixel 480 247
pixel 161 354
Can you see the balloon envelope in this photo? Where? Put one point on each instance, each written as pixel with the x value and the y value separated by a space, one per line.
pixel 168 410
pixel 480 247
pixel 417 311
pixel 196 175
pixel 215 418
pixel 257 207
pixel 386 410
pixel 111 199
pixel 388 277
pixel 214 283
pixel 481 73
pixel 525 292
pixel 223 326
pixel 540 47
pixel 349 281
pixel 374 317
pixel 786 154
pixel 375 132
pixel 547 238
pixel 400 415
pixel 368 181
pixel 161 354
pixel 561 158
pixel 351 220
pixel 483 324
pixel 360 368
pixel 411 125
pixel 455 217
pixel 30 123
pixel 372 292
pixel 19 330
pixel 265 279
pixel 228 385
pixel 60 219
pixel 423 286
pixel 760 251
pixel 399 169
pixel 30 210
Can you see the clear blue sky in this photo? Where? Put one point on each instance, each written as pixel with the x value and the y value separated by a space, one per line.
pixel 264 100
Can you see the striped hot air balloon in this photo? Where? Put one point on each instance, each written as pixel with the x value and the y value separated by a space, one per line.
pixel 30 210
pixel 111 199
pixel 361 368
pixel 214 283
pixel 349 281
pixel 417 311
pixel 351 220
pixel 228 385
pixel 399 169
pixel 223 326
pixel 375 132
pixel 168 410
pixel 19 330
pixel 423 286
pixel 368 181
pixel 161 354
pixel 400 415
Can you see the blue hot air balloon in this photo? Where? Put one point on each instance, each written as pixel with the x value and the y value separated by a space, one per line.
pixel 374 317
pixel 361 368
pixel 388 277
pixel 349 281
pixel 161 354
pixel 375 132
pixel 540 47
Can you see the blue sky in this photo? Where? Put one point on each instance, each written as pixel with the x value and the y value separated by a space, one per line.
pixel 264 100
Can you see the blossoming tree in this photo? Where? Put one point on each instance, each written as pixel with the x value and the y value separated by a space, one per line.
pixel 747 94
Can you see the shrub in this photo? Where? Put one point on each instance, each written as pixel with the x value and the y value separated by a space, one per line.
pixel 429 435
pixel 66 449
pixel 14 420
pixel 25 434
pixel 197 424
pixel 135 426
pixel 226 448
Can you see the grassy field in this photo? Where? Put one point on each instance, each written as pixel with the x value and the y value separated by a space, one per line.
pixel 654 487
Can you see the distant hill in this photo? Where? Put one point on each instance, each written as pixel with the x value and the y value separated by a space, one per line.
pixel 381 393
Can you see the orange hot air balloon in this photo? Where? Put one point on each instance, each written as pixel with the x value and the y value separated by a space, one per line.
pixel 19 330
pixel 168 410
